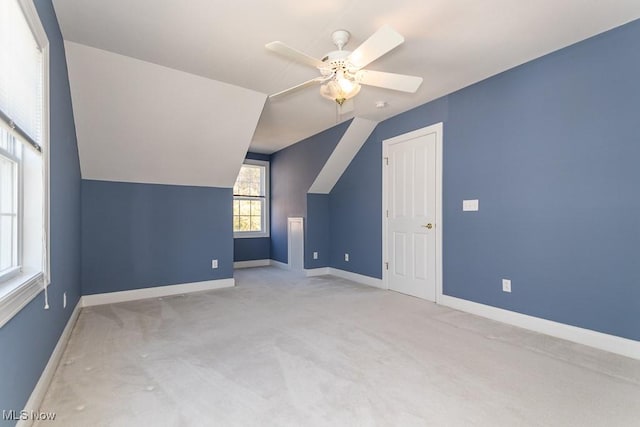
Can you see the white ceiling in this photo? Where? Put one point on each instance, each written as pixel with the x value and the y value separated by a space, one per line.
pixel 140 122
pixel 450 43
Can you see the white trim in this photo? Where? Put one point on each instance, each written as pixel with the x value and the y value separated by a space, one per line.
pixel 46 158
pixel 279 264
pixel 365 280
pixel 599 340
pixel 294 220
pixel 355 277
pixel 252 263
pixel 20 294
pixel 33 19
pixel 39 391
pixel 312 272
pixel 155 292
pixel 438 130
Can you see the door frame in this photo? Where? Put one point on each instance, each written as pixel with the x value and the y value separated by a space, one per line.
pixel 438 130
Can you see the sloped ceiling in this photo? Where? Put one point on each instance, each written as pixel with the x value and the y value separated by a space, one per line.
pixel 450 43
pixel 141 122
pixel 352 140
pixel 174 92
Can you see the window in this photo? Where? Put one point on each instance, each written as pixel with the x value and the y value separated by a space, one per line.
pixel 251 200
pixel 10 170
pixel 24 217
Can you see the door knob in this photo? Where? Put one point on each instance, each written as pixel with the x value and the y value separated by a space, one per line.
pixel 428 226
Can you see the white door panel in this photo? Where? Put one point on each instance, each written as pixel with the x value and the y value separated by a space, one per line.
pixel 399 253
pixel 411 201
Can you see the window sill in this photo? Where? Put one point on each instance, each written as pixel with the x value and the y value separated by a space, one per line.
pixel 250 235
pixel 17 292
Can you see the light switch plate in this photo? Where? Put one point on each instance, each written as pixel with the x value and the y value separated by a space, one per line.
pixel 470 205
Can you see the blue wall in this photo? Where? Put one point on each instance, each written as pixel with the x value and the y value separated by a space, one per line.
pixel 550 149
pixel 144 235
pixel 354 210
pixel 27 340
pixel 249 249
pixel 355 202
pixel 293 170
pixel 317 230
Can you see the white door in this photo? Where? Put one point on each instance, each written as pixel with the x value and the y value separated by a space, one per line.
pixel 411 195
pixel 296 244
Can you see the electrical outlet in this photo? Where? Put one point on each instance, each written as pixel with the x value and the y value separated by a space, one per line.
pixel 346 257
pixel 214 263
pixel 64 300
pixel 315 255
pixel 506 285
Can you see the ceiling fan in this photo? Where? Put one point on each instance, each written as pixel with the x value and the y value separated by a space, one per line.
pixel 342 71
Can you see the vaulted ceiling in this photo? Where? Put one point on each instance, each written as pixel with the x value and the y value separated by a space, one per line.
pixel 218 46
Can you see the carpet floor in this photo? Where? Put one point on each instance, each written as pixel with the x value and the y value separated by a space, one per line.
pixel 280 349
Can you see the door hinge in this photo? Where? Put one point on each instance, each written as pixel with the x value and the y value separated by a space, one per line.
pixel 387 213
pixel 386 265
pixel 386 161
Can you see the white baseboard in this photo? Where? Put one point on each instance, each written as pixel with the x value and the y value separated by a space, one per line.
pixel 37 395
pixel 365 280
pixel 155 292
pixel 359 278
pixel 599 340
pixel 322 271
pixel 280 264
pixel 252 263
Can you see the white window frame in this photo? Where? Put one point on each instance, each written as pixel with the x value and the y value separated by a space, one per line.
pixel 17 159
pixel 265 211
pixel 17 291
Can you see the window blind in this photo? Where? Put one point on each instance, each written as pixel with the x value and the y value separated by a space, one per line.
pixel 21 75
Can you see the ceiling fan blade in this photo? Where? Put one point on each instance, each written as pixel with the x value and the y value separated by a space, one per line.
pixel 298 87
pixel 393 81
pixel 293 54
pixel 380 42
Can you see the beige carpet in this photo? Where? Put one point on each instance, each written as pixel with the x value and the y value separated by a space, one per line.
pixel 284 350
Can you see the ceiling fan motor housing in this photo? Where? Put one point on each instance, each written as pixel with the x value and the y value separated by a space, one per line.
pixel 336 60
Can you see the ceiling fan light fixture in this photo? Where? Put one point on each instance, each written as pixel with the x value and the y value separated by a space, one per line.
pixel 342 71
pixel 340 88
pixel 346 84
